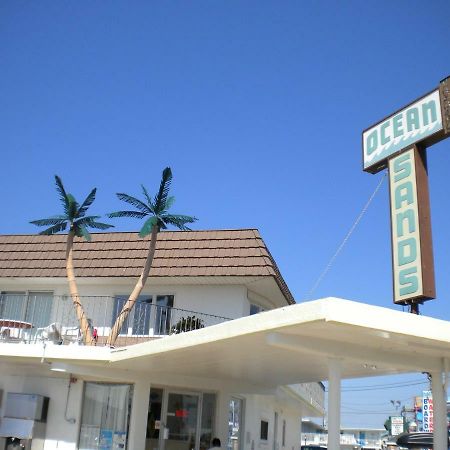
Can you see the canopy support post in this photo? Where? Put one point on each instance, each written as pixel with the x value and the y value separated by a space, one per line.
pixel 334 404
pixel 440 438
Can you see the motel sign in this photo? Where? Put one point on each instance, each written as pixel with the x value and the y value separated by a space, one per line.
pixel 399 142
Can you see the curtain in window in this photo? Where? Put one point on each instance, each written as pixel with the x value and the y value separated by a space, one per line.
pixel 105 416
pixel 164 303
pixel 141 317
pixel 39 307
pixel 13 305
pixel 119 302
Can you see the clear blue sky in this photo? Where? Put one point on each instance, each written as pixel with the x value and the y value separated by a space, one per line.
pixel 258 107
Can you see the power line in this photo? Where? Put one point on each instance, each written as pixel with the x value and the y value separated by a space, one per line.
pixel 394 383
pixel 359 405
pixel 352 229
pixel 385 387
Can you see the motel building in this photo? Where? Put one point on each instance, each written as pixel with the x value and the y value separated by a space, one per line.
pixel 215 347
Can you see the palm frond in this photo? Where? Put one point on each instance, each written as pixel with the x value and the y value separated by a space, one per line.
pixel 135 214
pixel 85 220
pixel 147 196
pixel 81 231
pixel 164 187
pixel 178 220
pixel 91 221
pixel 73 207
pixel 169 202
pixel 62 194
pixel 134 201
pixel 87 202
pixel 54 229
pixel 49 221
pixel 100 225
pixel 148 225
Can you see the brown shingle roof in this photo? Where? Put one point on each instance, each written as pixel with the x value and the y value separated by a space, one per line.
pixel 178 253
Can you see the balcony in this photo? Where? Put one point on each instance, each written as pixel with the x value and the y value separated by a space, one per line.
pixel 43 317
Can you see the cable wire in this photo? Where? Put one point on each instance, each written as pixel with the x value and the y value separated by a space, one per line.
pixel 352 229
pixel 385 387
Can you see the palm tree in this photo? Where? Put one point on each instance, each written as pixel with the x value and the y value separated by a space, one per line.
pixel 159 218
pixel 75 217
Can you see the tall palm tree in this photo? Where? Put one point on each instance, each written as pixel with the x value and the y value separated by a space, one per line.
pixel 157 211
pixel 75 218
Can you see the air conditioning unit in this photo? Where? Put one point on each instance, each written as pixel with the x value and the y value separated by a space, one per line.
pixel 26 406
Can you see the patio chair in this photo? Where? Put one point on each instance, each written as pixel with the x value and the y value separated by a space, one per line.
pixel 50 333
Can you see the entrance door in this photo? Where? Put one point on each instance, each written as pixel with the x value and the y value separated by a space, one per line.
pixel 180 421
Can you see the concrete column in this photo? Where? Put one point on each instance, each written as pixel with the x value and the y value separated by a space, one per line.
pixel 334 404
pixel 139 411
pixel 439 412
pixel 222 411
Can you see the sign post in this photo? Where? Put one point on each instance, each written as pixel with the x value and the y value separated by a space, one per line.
pixel 399 142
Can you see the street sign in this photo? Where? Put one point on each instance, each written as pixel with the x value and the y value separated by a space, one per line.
pixel 397 426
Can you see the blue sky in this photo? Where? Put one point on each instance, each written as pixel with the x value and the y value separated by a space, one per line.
pixel 257 106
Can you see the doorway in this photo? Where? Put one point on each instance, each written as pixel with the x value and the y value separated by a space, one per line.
pixel 179 420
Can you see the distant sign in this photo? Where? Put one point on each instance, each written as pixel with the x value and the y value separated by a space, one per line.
pixel 397 425
pixel 412 124
pixel 427 409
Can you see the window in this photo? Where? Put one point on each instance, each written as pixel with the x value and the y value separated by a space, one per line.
pixel 105 416
pixel 150 313
pixel 32 307
pixel 255 309
pixel 264 433
pixel 164 304
pixel 235 426
pixel 138 319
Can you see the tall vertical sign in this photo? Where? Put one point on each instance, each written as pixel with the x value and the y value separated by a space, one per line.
pixel 427 410
pixel 399 142
pixel 412 251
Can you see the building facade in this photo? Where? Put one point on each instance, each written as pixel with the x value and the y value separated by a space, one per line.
pixel 200 282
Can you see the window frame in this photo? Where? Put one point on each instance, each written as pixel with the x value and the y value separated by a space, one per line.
pixel 26 295
pixel 152 315
pixel 264 440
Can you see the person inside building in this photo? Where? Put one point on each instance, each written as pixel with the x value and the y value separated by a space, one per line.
pixel 215 444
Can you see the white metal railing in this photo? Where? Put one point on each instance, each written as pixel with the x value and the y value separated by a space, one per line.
pixel 321 439
pixel 30 318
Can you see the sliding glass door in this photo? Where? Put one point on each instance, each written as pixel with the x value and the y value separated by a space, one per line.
pixel 180 420
pixel 105 416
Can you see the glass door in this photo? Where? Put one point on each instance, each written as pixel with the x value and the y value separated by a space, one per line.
pixel 180 421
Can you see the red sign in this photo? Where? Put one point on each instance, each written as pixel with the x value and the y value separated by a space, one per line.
pixel 181 413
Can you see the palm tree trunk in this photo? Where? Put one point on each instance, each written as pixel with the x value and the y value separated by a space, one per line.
pixel 81 316
pixel 136 291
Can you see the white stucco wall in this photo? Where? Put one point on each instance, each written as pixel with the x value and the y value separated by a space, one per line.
pixel 228 301
pixel 60 434
pixel 258 408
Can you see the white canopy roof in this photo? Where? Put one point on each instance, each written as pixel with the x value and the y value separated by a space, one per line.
pixel 293 344
pixel 288 345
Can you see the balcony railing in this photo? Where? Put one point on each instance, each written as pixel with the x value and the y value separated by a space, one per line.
pixel 42 317
pixel 346 439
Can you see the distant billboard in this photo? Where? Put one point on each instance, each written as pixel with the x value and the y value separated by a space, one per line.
pixel 427 409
